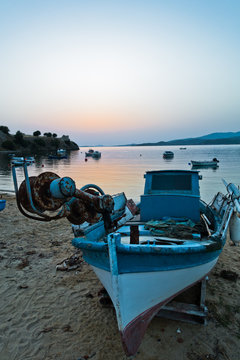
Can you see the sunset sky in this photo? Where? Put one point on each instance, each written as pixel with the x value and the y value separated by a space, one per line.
pixel 119 72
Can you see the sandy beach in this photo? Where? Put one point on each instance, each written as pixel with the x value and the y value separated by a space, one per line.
pixel 50 314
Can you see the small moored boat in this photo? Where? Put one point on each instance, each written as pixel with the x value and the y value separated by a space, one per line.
pixel 60 154
pixel 96 154
pixel 93 153
pixel 206 163
pixel 20 160
pixel 168 154
pixel 89 153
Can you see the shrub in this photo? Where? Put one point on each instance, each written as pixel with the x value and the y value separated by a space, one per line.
pixel 54 135
pixel 18 137
pixel 37 133
pixel 39 142
pixel 67 142
pixel 9 145
pixel 4 129
pixel 55 142
pixel 48 134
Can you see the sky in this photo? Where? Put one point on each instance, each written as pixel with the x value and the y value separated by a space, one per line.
pixel 120 72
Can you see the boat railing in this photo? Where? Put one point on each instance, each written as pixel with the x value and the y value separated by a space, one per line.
pixel 228 204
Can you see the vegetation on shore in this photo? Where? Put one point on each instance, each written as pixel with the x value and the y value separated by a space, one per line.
pixel 35 143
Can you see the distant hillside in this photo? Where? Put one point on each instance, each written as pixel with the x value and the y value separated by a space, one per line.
pixel 210 139
pixel 34 144
pixel 221 135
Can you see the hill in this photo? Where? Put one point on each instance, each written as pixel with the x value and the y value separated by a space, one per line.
pixel 34 144
pixel 210 139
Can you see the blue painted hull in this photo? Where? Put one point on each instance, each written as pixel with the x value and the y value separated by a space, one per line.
pixel 139 258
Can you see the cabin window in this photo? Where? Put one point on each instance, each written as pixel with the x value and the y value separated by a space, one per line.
pixel 172 182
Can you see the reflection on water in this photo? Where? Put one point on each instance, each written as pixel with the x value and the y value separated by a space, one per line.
pixel 122 168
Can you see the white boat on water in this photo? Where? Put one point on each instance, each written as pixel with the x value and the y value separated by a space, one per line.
pixel 61 152
pixel 206 163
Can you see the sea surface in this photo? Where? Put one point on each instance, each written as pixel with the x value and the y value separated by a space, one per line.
pixel 122 168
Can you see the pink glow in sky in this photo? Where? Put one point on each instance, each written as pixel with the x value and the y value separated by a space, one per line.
pixel 120 72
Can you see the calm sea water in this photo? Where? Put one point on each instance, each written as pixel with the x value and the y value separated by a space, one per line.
pixel 122 168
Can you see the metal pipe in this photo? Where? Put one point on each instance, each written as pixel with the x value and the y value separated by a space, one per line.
pixel 235 194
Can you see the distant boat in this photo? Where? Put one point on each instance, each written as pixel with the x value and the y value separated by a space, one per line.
pixel 61 152
pixel 168 155
pixel 206 163
pixel 30 159
pixel 89 153
pixel 96 154
pixel 93 153
pixel 182 148
pixel 19 160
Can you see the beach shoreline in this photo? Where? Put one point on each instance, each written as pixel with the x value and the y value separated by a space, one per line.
pixel 50 314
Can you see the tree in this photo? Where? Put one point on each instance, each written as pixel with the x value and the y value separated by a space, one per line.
pixel 18 137
pixel 4 129
pixel 55 142
pixel 47 134
pixel 54 135
pixel 39 142
pixel 37 133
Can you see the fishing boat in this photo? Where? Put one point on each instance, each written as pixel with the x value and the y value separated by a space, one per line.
pixel 206 163
pixel 30 159
pixel 93 153
pixel 60 154
pixel 20 160
pixel 96 154
pixel 89 152
pixel 168 154
pixel 143 261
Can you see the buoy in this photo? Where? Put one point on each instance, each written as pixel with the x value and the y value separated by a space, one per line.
pixel 234 228
pixel 85 159
pixel 42 165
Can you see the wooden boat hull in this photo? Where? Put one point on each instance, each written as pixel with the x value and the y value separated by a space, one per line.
pixel 140 296
pixel 204 163
pixel 141 279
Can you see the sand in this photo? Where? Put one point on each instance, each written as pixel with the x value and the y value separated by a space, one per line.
pixel 50 314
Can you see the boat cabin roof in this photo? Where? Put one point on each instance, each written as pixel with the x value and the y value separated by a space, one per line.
pixel 170 193
pixel 172 181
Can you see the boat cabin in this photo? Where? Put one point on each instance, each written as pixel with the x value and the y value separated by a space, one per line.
pixel 170 193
